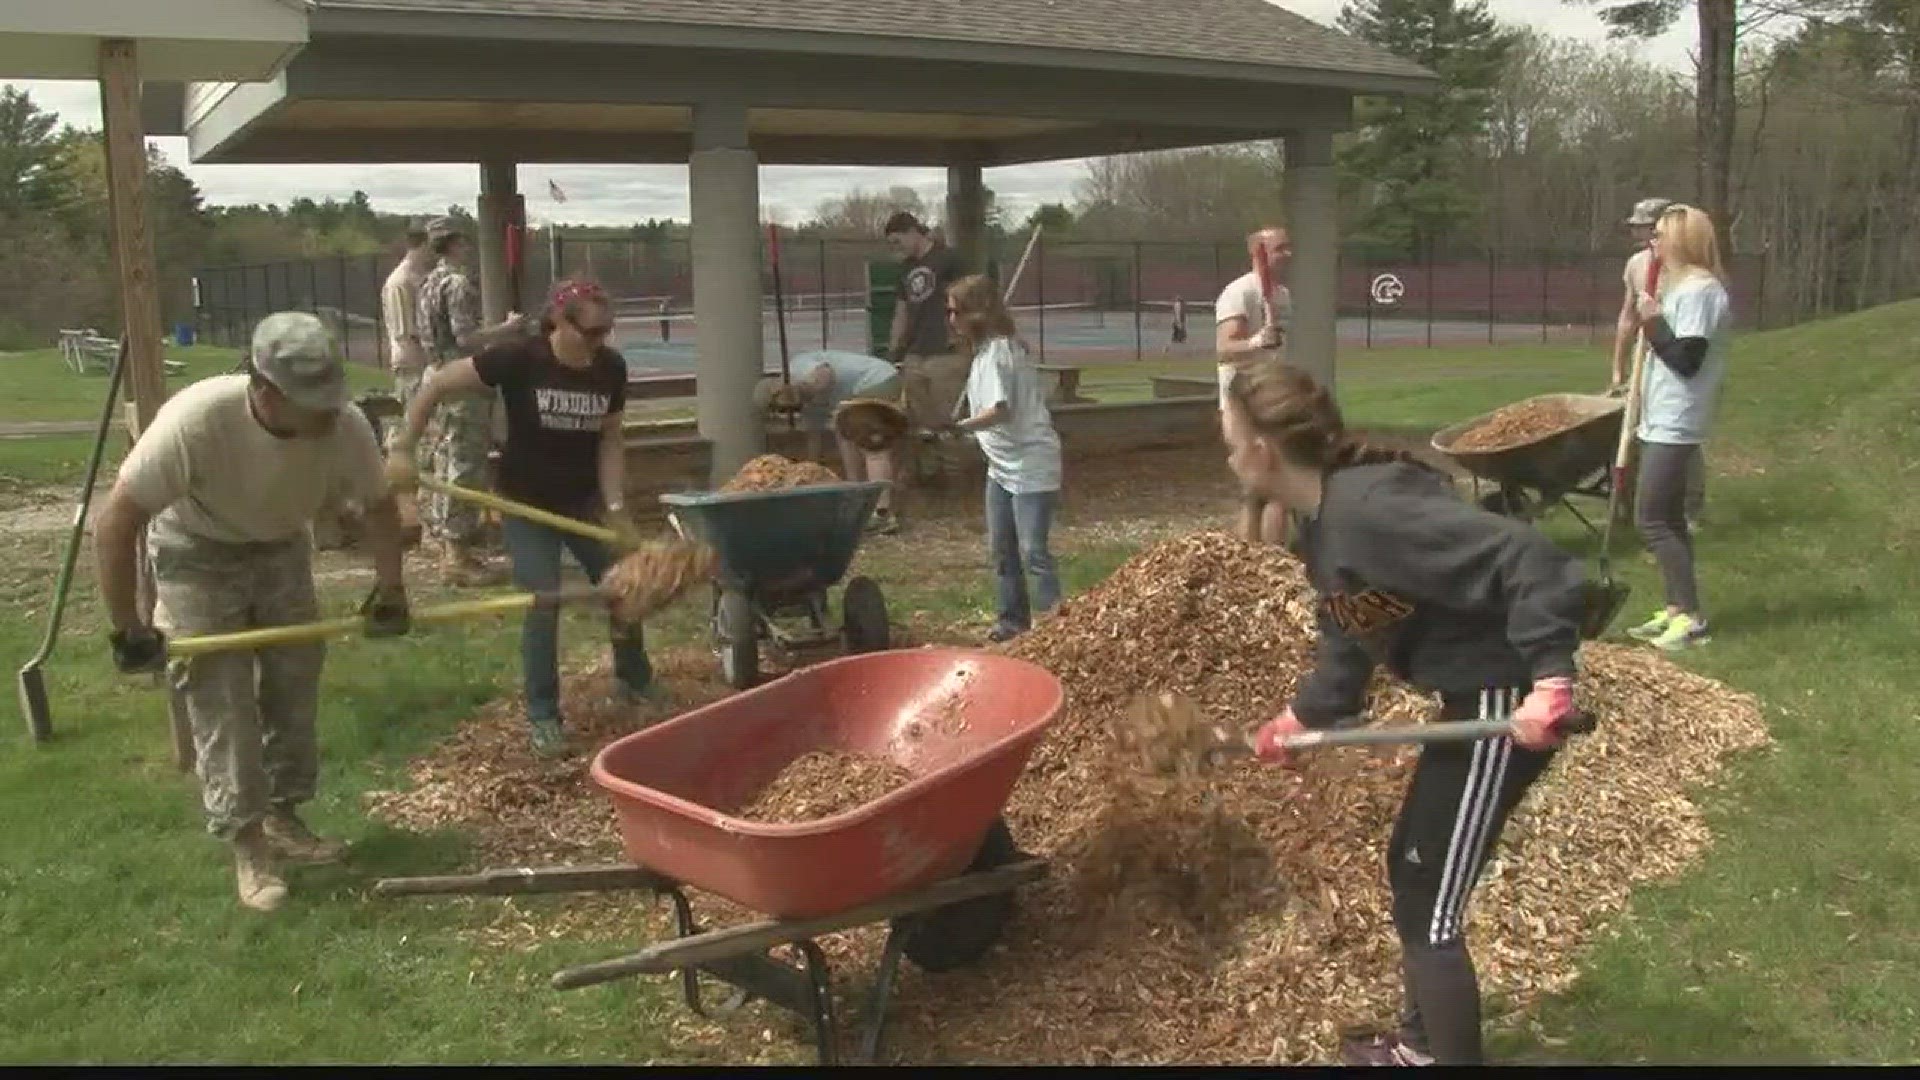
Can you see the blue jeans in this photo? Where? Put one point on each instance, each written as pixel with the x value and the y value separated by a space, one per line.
pixel 535 551
pixel 1017 533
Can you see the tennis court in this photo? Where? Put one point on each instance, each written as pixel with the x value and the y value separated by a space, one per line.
pixel 658 340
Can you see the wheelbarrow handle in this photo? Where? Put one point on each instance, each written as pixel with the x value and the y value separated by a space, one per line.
pixel 305 633
pixel 521 510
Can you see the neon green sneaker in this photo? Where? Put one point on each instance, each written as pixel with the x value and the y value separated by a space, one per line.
pixel 1683 632
pixel 1653 627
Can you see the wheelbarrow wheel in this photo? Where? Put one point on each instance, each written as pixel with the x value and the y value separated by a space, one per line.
pixel 959 934
pixel 863 614
pixel 739 641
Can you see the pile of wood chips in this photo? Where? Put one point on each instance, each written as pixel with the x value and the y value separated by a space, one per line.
pixel 1518 425
pixel 824 783
pixel 771 472
pixel 1245 917
pixel 1239 917
pixel 656 574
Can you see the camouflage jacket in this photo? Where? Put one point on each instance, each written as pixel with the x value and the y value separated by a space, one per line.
pixel 449 310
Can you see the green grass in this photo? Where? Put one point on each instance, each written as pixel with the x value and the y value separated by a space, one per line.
pixel 1794 942
pixel 38 385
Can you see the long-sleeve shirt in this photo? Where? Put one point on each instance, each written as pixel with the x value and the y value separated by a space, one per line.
pixel 1450 597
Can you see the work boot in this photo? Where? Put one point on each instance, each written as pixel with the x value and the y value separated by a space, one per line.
pixel 256 871
pixel 291 840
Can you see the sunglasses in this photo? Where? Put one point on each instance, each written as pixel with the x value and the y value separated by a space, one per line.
pixel 592 333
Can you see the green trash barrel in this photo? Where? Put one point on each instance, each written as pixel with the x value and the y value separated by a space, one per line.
pixel 883 283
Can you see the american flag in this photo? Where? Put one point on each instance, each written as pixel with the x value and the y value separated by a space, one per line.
pixel 553 189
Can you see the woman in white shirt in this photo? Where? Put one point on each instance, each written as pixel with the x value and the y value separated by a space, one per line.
pixel 1680 384
pixel 1015 431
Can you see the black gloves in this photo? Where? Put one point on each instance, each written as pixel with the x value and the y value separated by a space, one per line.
pixel 142 649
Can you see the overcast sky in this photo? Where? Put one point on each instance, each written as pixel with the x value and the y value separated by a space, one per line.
pixel 617 194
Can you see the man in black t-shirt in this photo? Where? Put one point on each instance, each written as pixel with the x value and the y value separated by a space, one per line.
pixel 932 370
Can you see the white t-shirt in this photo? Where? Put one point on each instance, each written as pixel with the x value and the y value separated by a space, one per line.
pixel 1022 451
pixel 208 467
pixel 1676 409
pixel 1241 300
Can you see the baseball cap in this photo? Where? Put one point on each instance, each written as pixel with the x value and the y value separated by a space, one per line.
pixel 297 354
pixel 1648 211
pixel 444 226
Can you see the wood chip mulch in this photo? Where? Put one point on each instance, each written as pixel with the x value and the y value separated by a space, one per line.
pixel 1238 917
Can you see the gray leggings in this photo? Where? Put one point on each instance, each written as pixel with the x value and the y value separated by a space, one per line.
pixel 1660 510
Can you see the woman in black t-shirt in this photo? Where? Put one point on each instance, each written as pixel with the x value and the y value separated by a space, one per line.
pixel 565 393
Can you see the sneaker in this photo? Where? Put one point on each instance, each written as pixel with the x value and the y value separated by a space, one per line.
pixel 1001 634
pixel 1683 632
pixel 1653 627
pixel 256 872
pixel 883 523
pixel 1380 1050
pixel 290 839
pixel 548 739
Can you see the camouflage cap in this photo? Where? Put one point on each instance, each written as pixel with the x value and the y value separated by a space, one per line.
pixel 298 354
pixel 1648 211
pixel 444 226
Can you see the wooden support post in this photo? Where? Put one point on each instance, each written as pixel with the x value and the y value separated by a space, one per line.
pixel 139 300
pixel 127 203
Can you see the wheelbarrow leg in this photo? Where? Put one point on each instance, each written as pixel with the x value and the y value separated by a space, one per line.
pixel 883 990
pixel 821 981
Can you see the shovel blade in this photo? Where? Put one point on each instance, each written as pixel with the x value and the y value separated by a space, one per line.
pixel 1601 603
pixel 34 704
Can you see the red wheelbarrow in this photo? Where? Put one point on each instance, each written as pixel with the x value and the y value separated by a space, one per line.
pixel 932 858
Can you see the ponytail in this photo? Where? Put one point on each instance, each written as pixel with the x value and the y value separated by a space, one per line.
pixel 1299 417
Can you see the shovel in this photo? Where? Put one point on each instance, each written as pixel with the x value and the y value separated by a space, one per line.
pixel 521 510
pixel 1602 600
pixel 34 704
pixel 1180 729
pixel 353 625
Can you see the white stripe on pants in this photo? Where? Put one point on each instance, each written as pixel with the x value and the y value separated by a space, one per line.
pixel 1473 822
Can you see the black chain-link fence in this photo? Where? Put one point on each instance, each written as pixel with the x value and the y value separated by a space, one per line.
pixel 1076 301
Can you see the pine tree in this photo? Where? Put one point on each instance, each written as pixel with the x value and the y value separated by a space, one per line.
pixel 1407 154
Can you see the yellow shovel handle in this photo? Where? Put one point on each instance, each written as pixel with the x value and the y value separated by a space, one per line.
pixel 181 648
pixel 522 510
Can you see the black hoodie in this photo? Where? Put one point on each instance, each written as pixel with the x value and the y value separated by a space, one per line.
pixel 1451 598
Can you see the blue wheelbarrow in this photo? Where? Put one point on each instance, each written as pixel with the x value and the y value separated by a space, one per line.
pixel 779 553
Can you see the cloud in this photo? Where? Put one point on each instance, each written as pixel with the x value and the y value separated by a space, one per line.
pixel 619 194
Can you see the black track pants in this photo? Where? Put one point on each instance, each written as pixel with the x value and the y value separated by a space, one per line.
pixel 1450 820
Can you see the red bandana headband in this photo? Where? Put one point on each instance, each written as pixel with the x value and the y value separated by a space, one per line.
pixel 568 291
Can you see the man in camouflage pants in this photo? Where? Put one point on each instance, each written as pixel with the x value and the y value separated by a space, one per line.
pixel 225 484
pixel 450 323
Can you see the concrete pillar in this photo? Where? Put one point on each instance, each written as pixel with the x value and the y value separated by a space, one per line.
pixel 967 216
pixel 1314 278
pixel 500 205
pixel 724 182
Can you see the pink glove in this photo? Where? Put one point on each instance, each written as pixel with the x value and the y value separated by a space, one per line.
pixel 1550 702
pixel 1269 742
